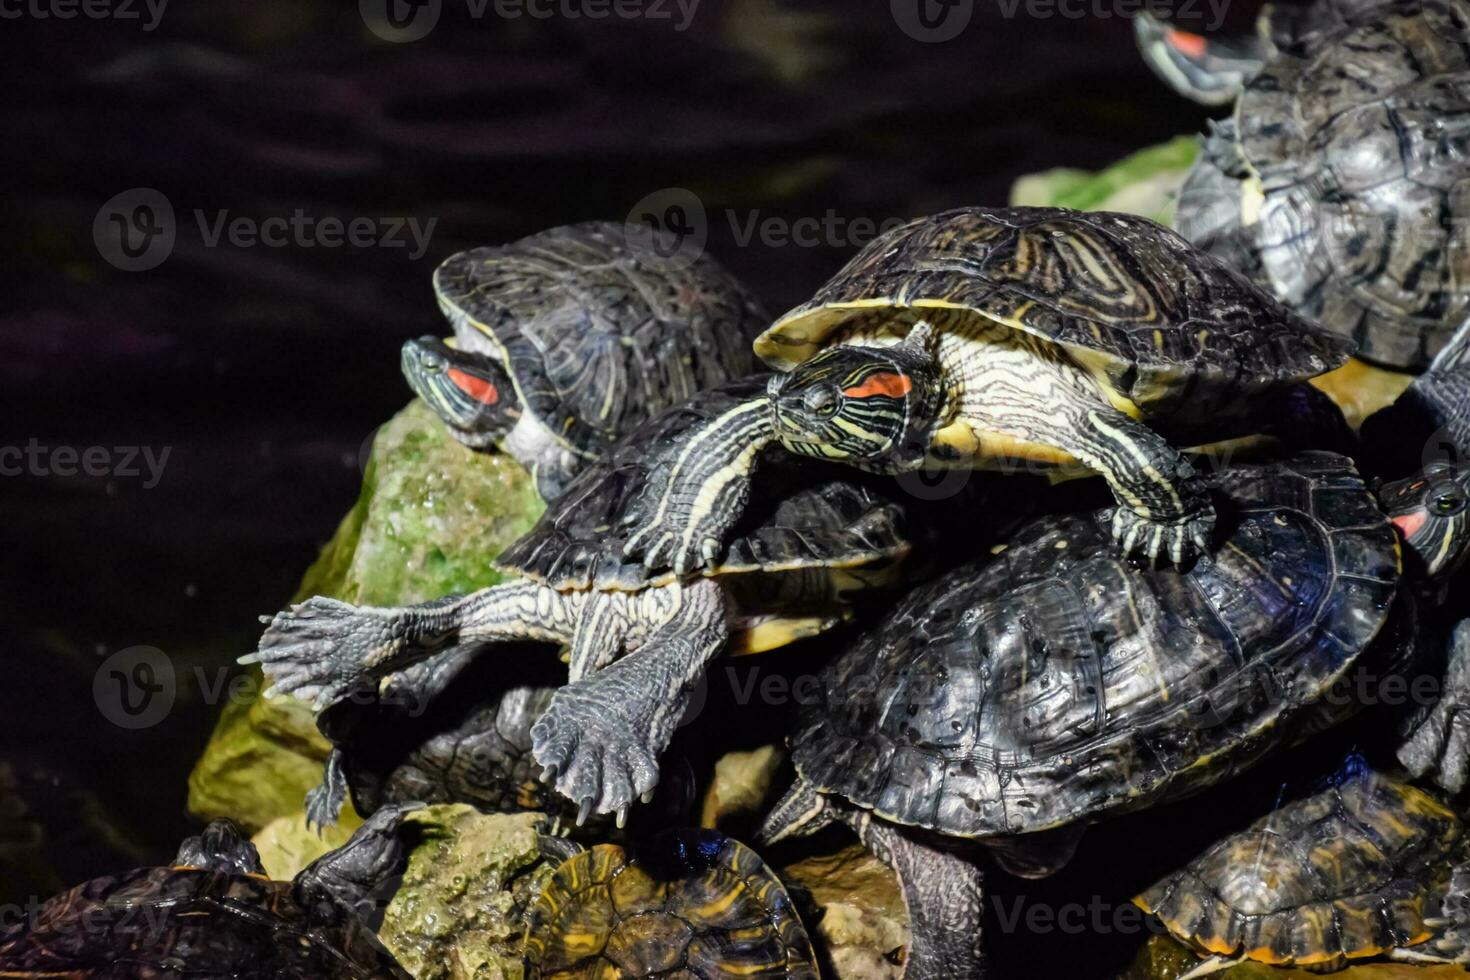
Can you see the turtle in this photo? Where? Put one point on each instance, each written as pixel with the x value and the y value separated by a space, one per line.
pixel 1015 699
pixel 681 904
pixel 214 913
pixel 568 338
pixel 637 641
pixel 428 741
pixel 1083 342
pixel 1369 866
pixel 1339 183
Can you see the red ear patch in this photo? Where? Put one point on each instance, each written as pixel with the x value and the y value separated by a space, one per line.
pixel 479 389
pixel 1410 523
pixel 1191 45
pixel 888 383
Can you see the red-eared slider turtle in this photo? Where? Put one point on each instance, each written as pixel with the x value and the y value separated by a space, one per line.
pixel 214 914
pixel 454 730
pixel 684 904
pixel 1011 701
pixel 638 641
pixel 569 338
pixel 1341 181
pixel 1368 867
pixel 981 337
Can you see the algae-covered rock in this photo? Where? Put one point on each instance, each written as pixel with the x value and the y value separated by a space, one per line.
pixel 458 913
pixel 431 517
pixel 863 926
pixel 741 784
pixel 287 844
pixel 1145 183
pixel 1163 958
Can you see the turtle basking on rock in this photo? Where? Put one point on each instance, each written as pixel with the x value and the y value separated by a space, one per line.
pixel 1004 337
pixel 214 913
pixel 637 641
pixel 1367 867
pixel 1339 182
pixel 1012 701
pixel 569 338
pixel 681 904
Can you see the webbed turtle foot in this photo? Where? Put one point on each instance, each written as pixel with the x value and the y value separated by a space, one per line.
pixel 321 650
pixel 667 543
pixel 597 748
pixel 1440 747
pixel 1182 542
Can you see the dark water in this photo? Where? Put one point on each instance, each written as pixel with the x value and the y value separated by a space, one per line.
pixel 261 370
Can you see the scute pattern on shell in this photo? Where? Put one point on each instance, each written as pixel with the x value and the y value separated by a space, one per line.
pixel 797 517
pixel 690 905
pixel 1350 872
pixel 1165 318
pixel 598 329
pixel 1361 139
pixel 190 921
pixel 1058 681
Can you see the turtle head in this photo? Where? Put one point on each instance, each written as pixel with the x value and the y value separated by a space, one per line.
pixel 872 405
pixel 1430 511
pixel 471 393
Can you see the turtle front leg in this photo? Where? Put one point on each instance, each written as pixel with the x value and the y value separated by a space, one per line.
pixel 696 489
pixel 601 738
pixel 1440 746
pixel 944 894
pixel 322 650
pixel 1163 507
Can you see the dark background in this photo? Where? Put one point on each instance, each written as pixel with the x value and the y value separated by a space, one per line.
pixel 263 370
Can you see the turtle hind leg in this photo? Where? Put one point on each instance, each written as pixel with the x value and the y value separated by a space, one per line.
pixel 601 737
pixel 1440 746
pixel 944 894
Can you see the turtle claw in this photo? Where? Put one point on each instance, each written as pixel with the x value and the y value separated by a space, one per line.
pixel 591 745
pixel 1182 543
pixel 622 819
pixel 584 811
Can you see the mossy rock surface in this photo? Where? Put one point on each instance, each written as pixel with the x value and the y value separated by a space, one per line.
pixel 1146 183
pixel 431 518
pixel 458 912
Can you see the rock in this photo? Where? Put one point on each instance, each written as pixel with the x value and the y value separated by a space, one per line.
pixel 431 517
pixel 457 915
pixel 287 844
pixel 863 926
pixel 1145 183
pixel 741 784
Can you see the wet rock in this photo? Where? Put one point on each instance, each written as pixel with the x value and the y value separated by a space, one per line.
pixel 287 844
pixel 458 912
pixel 863 926
pixel 741 784
pixel 1146 183
pixel 431 517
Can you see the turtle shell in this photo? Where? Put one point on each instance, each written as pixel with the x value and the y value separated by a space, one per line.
pixel 798 517
pixel 174 921
pixel 687 905
pixel 1158 318
pixel 598 330
pixel 1058 682
pixel 1350 872
pixel 1361 139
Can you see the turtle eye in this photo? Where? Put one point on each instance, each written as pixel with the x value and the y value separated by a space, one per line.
pixel 821 401
pixel 1447 502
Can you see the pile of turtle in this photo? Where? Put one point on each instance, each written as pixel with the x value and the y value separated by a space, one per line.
pixel 1174 558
